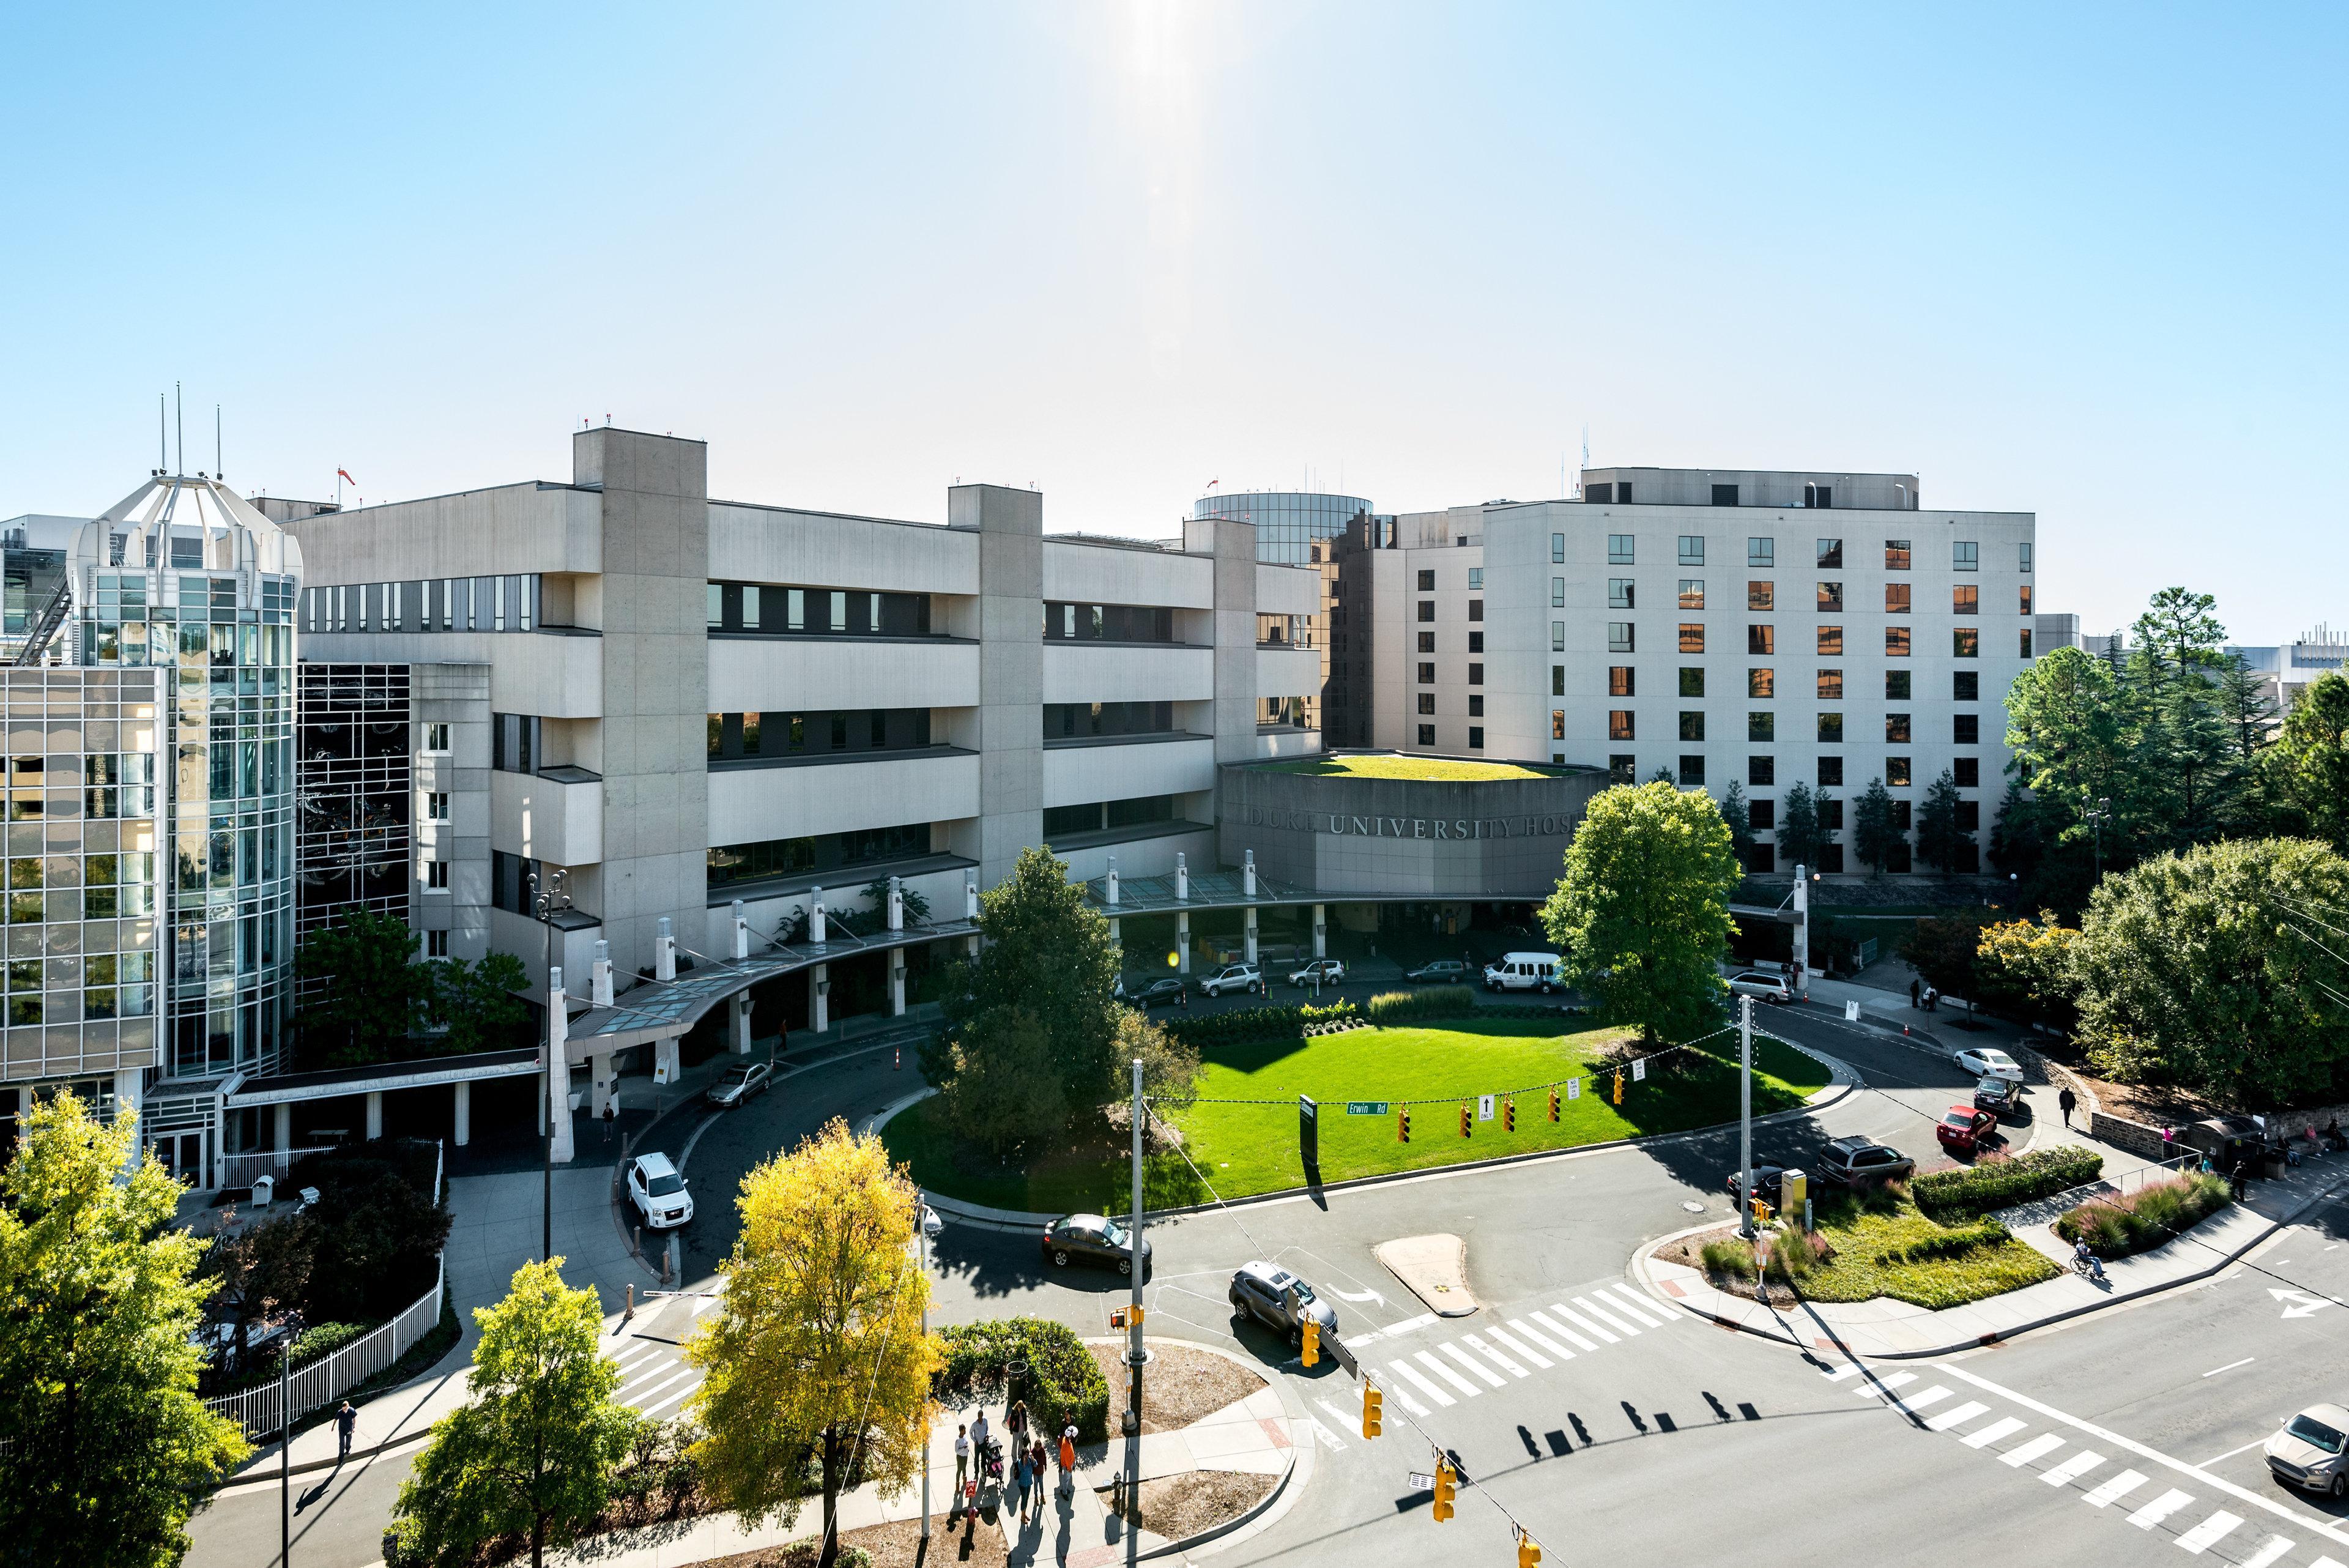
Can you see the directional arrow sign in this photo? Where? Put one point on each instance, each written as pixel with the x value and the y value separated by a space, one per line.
pixel 1351 1296
pixel 2302 1306
pixel 1419 1480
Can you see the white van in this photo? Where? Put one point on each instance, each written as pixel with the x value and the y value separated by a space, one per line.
pixel 1522 971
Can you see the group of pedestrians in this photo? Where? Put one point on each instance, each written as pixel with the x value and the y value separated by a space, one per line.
pixel 1030 1462
pixel 1923 998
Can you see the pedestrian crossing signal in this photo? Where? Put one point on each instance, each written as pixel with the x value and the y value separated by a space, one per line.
pixel 1309 1342
pixel 1447 1485
pixel 1463 1121
pixel 1374 1406
pixel 1553 1104
pixel 1528 1554
pixel 1402 1124
pixel 1509 1115
pixel 1117 1317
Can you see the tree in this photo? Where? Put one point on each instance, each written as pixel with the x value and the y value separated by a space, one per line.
pixel 2026 969
pixel 373 994
pixel 2210 969
pixel 257 1269
pixel 817 1347
pixel 1047 954
pixel 2309 764
pixel 536 1451
pixel 2018 842
pixel 108 1449
pixel 1170 1069
pixel 1940 842
pixel 2064 724
pixel 1799 839
pixel 2247 708
pixel 1002 1087
pixel 1873 834
pixel 478 1004
pixel 1942 952
pixel 2178 634
pixel 1735 812
pixel 1642 912
pixel 375 1233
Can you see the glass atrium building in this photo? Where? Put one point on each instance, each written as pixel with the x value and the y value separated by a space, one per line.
pixel 1289 522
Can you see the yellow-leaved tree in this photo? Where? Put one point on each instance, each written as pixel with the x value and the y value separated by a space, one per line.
pixel 817 1347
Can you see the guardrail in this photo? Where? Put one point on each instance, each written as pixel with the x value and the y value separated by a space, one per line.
pixel 245 1170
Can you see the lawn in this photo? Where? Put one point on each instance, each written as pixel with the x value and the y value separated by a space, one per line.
pixel 1247 1148
pixel 1866 1240
pixel 1383 765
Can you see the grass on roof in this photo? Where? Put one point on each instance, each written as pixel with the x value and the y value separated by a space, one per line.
pixel 1381 765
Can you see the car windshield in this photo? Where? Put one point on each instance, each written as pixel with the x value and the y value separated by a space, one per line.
pixel 1958 1119
pixel 738 1075
pixel 1113 1233
pixel 2310 1430
pixel 1303 1291
pixel 664 1186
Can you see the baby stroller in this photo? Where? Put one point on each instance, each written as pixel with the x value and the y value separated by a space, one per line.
pixel 990 1464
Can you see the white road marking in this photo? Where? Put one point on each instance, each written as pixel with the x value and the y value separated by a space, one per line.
pixel 2112 1490
pixel 1404 1369
pixel 1339 1415
pixel 642 1376
pixel 1481 1348
pixel 1840 1373
pixel 1957 1416
pixel 2073 1469
pixel 2161 1508
pixel 2325 1562
pixel 679 1398
pixel 1448 1374
pixel 639 1400
pixel 704 1304
pixel 1561 1331
pixel 1993 1433
pixel 1507 1342
pixel 1553 1346
pixel 1582 1322
pixel 1656 1304
pixel 2046 1443
pixel 1408 1326
pixel 2203 1535
pixel 1884 1385
pixel 2276 1547
pixel 1629 1306
pixel 1932 1396
pixel 1324 1435
pixel 1614 1322
pixel 2230 1453
pixel 2231 1367
pixel 1468 1361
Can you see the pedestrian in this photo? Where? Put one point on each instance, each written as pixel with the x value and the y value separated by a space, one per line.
pixel 1019 1479
pixel 2066 1102
pixel 1913 989
pixel 347 1421
pixel 978 1434
pixel 2239 1177
pixel 2168 1140
pixel 1069 1461
pixel 1038 1462
pixel 962 1465
pixel 1015 1421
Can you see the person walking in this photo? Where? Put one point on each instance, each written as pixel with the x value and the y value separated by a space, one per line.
pixel 1015 1422
pixel 962 1467
pixel 2168 1141
pixel 2066 1102
pixel 1019 1480
pixel 2238 1177
pixel 1914 990
pixel 1037 1463
pixel 347 1421
pixel 1069 1461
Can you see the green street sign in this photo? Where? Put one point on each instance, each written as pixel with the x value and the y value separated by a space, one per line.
pixel 1366 1108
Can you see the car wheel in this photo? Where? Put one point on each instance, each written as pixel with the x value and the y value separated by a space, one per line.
pixel 1252 988
pixel 1546 988
pixel 2340 1488
pixel 1060 1259
pixel 1295 1337
pixel 1125 1267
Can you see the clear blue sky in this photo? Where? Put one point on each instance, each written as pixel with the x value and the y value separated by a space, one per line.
pixel 2081 260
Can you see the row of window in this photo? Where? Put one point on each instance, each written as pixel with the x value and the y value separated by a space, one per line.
pixel 1623 637
pixel 1900 685
pixel 1066 622
pixel 1427 606
pixel 1475 736
pixel 1427 643
pixel 1622 593
pixel 817 734
pixel 1064 822
pixel 1761 550
pixel 820 854
pixel 433 603
pixel 1074 721
pixel 1899 772
pixel 1965 729
pixel 816 612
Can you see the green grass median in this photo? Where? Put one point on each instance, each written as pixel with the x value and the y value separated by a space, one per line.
pixel 1248 1149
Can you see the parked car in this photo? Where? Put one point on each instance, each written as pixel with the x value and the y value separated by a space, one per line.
pixel 1323 971
pixel 1858 1161
pixel 1278 1298
pixel 1522 971
pixel 1442 972
pixel 2003 1098
pixel 739 1083
pixel 2308 1452
pixel 1963 1129
pixel 1766 1181
pixel 1164 993
pixel 1244 976
pixel 1775 988
pixel 658 1192
pixel 1093 1239
pixel 1989 1062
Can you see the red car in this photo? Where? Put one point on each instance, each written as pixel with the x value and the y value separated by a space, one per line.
pixel 1963 1128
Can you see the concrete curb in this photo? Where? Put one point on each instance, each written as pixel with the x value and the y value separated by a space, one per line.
pixel 1844 1084
pixel 1639 1272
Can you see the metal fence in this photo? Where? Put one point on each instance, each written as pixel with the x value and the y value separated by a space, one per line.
pixel 245 1170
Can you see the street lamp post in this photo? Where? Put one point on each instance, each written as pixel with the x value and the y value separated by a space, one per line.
pixel 2099 815
pixel 545 903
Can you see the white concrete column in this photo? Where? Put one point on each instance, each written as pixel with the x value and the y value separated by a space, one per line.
pixel 465 1113
pixel 599 1080
pixel 1182 876
pixel 667 1066
pixel 1182 941
pixel 1247 872
pixel 374 1114
pixel 284 1130
pixel 1801 931
pixel 1117 934
pixel 1250 917
pixel 1321 934
pixel 815 917
pixel 742 932
pixel 664 952
pixel 819 987
pixel 128 1086
pixel 897 983
pixel 738 1023
pixel 897 904
pixel 1111 881
pixel 599 975
pixel 558 1066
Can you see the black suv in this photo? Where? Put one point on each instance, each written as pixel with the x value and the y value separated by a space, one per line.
pixel 1279 1300
pixel 1860 1161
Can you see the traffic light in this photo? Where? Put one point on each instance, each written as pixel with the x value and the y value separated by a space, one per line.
pixel 1761 1210
pixel 1463 1120
pixel 1374 1406
pixel 1446 1484
pixel 1618 1088
pixel 1553 1104
pixel 1402 1124
pixel 1509 1113
pixel 1310 1341
pixel 1528 1554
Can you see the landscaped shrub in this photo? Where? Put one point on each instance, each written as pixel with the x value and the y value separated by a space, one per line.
pixel 1795 1253
pixel 1729 1256
pixel 1061 1383
pixel 1964 1193
pixel 324 1339
pixel 2141 1220
pixel 1955 1243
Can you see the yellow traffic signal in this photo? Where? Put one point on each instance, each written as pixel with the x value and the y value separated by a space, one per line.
pixel 1374 1406
pixel 1509 1113
pixel 1553 1104
pixel 1528 1554
pixel 1463 1121
pixel 1446 1484
pixel 1619 1090
pixel 1402 1124
pixel 1310 1340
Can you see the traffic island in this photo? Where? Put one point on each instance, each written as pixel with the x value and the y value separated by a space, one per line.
pixel 1433 1268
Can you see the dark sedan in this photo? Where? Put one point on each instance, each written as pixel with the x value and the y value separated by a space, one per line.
pixel 1093 1239
pixel 1161 994
pixel 1765 1182
pixel 1442 972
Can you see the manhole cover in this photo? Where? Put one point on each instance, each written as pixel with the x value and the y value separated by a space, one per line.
pixel 1694 1208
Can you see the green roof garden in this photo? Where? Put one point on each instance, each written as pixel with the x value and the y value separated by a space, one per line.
pixel 1432 770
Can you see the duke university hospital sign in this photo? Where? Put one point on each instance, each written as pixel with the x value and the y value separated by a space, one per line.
pixel 1343 825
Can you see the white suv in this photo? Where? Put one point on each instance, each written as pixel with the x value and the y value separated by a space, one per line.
pixel 1756 983
pixel 1522 971
pixel 1234 977
pixel 658 1192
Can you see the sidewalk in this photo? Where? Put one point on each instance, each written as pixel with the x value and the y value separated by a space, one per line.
pixel 1889 1329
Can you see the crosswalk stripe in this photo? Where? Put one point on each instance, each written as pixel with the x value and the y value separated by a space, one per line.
pixel 1913 1402
pixel 2073 1469
pixel 1339 1415
pixel 643 1376
pixel 1486 1351
pixel 2046 1443
pixel 1840 1373
pixel 2325 1562
pixel 1562 1331
pixel 2161 1508
pixel 2276 1547
pixel 1613 1323
pixel 1884 1385
pixel 1520 1348
pixel 1553 1346
pixel 635 1355
pixel 639 1400
pixel 1448 1374
pixel 1629 1306
pixel 1957 1416
pixel 1470 1362
pixel 1993 1433
pixel 2207 1534
pixel 1404 1369
pixel 1662 1309
pixel 676 1399
pixel 1582 1322
pixel 2112 1490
